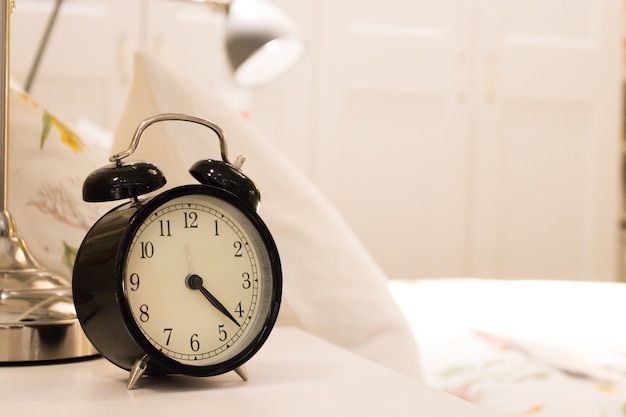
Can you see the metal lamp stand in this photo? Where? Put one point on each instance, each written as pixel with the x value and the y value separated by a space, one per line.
pixel 38 321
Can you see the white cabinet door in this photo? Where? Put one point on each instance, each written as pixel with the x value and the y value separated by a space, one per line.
pixel 474 137
pixel 392 137
pixel 546 192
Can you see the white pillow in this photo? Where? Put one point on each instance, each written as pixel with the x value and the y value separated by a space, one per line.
pixel 47 165
pixel 332 286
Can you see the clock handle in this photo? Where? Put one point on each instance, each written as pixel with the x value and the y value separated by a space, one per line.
pixel 167 117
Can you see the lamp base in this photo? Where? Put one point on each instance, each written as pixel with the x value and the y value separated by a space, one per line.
pixel 38 320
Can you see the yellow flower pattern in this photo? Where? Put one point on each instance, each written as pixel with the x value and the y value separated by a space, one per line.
pixel 532 410
pixel 67 135
pixel 49 120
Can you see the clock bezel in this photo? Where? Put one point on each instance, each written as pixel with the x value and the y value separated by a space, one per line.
pixel 161 361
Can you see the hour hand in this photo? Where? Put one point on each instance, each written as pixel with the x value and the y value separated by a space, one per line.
pixel 195 282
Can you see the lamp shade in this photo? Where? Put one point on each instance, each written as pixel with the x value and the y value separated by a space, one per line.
pixel 261 42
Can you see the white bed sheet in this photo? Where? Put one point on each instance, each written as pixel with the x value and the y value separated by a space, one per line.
pixel 527 348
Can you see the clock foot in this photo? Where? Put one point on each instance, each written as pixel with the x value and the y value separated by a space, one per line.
pixel 137 370
pixel 242 372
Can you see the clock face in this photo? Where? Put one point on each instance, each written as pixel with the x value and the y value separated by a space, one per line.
pixel 198 281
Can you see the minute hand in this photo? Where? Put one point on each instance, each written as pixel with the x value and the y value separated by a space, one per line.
pixel 195 282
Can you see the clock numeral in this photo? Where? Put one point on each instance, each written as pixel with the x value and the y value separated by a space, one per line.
pixel 239 310
pixel 223 335
pixel 191 220
pixel 165 228
pixel 134 282
pixel 169 335
pixel 246 284
pixel 147 250
pixel 144 316
pixel 217 232
pixel 194 342
pixel 238 246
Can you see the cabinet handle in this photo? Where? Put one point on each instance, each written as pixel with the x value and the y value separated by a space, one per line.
pixel 491 77
pixel 462 77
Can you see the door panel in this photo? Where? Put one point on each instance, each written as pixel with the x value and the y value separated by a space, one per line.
pixel 548 135
pixel 392 144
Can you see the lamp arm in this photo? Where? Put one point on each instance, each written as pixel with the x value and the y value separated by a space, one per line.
pixel 43 43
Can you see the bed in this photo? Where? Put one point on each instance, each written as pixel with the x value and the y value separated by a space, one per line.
pixel 536 348
pixel 520 348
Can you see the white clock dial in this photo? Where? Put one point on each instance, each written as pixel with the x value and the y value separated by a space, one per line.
pixel 197 280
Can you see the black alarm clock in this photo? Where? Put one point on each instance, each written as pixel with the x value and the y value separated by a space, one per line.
pixel 187 281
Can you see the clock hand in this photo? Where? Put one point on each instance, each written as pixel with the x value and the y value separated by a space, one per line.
pixel 195 282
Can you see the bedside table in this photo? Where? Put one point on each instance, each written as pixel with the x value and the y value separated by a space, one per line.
pixel 294 374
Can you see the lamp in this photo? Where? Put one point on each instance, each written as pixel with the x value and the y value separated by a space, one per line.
pixel 261 42
pixel 37 318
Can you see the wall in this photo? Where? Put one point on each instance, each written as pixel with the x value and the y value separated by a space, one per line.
pixel 457 137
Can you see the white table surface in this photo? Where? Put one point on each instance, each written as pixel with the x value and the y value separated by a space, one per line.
pixel 294 374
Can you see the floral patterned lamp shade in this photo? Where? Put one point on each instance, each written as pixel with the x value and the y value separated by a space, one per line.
pixel 37 318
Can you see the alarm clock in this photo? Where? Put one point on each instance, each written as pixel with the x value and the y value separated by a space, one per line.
pixel 186 281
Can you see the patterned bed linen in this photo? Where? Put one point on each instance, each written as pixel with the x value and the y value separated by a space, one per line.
pixel 526 348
